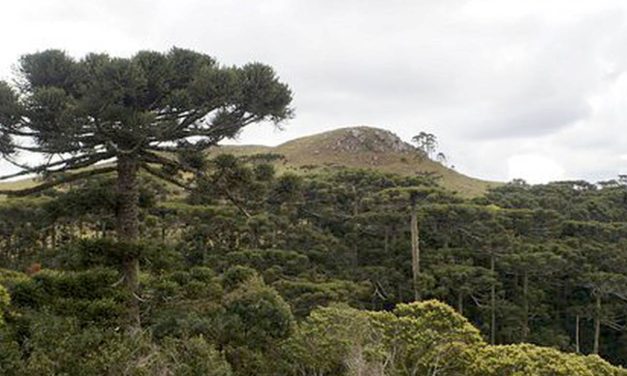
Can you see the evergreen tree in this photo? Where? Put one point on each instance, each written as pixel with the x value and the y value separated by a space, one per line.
pixel 128 112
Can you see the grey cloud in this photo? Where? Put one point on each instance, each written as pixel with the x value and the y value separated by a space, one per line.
pixel 538 118
pixel 485 79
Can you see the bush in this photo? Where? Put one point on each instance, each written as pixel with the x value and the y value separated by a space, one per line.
pixel 237 275
pixel 304 295
pixel 107 252
pixel 326 339
pixel 90 296
pixel 4 303
pixel 530 360
pixel 346 341
pixel 256 315
pixel 426 338
pixel 11 363
pixel 60 346
pixel 289 262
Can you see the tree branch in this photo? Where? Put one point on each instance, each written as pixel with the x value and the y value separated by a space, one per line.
pixel 70 164
pixel 168 178
pixel 61 180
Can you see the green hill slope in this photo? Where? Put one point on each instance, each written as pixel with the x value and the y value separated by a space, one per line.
pixel 362 147
pixel 355 147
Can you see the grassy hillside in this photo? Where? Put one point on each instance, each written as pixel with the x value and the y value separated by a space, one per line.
pixel 362 147
pixel 357 147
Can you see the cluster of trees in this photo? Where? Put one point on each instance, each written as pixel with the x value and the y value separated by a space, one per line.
pixel 136 255
pixel 427 144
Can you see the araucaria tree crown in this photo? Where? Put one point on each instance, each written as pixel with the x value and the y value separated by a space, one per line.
pixel 80 112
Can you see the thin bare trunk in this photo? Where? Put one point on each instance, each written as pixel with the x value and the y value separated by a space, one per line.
pixel 460 303
pixel 53 237
pixel 492 304
pixel 386 240
pixel 356 202
pixel 415 254
pixel 525 328
pixel 577 349
pixel 597 325
pixel 128 231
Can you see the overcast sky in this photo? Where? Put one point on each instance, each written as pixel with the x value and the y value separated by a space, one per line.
pixel 529 89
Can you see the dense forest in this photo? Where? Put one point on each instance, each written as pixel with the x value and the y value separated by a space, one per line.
pixel 246 262
pixel 138 254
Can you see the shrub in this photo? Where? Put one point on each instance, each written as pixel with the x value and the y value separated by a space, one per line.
pixel 256 315
pixel 4 303
pixel 526 359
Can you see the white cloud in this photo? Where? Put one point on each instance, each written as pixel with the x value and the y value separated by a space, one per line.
pixel 534 169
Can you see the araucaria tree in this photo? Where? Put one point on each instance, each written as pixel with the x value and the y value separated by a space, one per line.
pixel 124 115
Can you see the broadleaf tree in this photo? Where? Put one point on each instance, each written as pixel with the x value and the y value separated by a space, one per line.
pixel 101 114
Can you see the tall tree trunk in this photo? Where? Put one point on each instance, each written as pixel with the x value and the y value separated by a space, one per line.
pixel 493 303
pixel 577 348
pixel 53 237
pixel 460 303
pixel 597 324
pixel 356 202
pixel 415 254
pixel 127 232
pixel 525 328
pixel 386 240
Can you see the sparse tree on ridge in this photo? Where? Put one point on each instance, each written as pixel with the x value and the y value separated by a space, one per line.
pixel 441 158
pixel 132 113
pixel 426 143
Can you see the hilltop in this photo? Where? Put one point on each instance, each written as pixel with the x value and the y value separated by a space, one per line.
pixel 361 147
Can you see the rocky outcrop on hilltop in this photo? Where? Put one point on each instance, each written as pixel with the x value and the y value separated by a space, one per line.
pixel 366 139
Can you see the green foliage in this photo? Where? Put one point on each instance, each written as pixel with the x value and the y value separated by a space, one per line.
pixel 346 341
pixel 9 278
pixel 237 275
pixel 256 315
pixel 441 319
pixel 11 363
pixel 5 299
pixel 425 338
pixel 324 341
pixel 195 357
pixel 185 303
pixel 264 266
pixel 60 346
pixel 529 360
pixel 284 262
pixel 89 295
pixel 62 92
pixel 305 295
pixel 89 253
